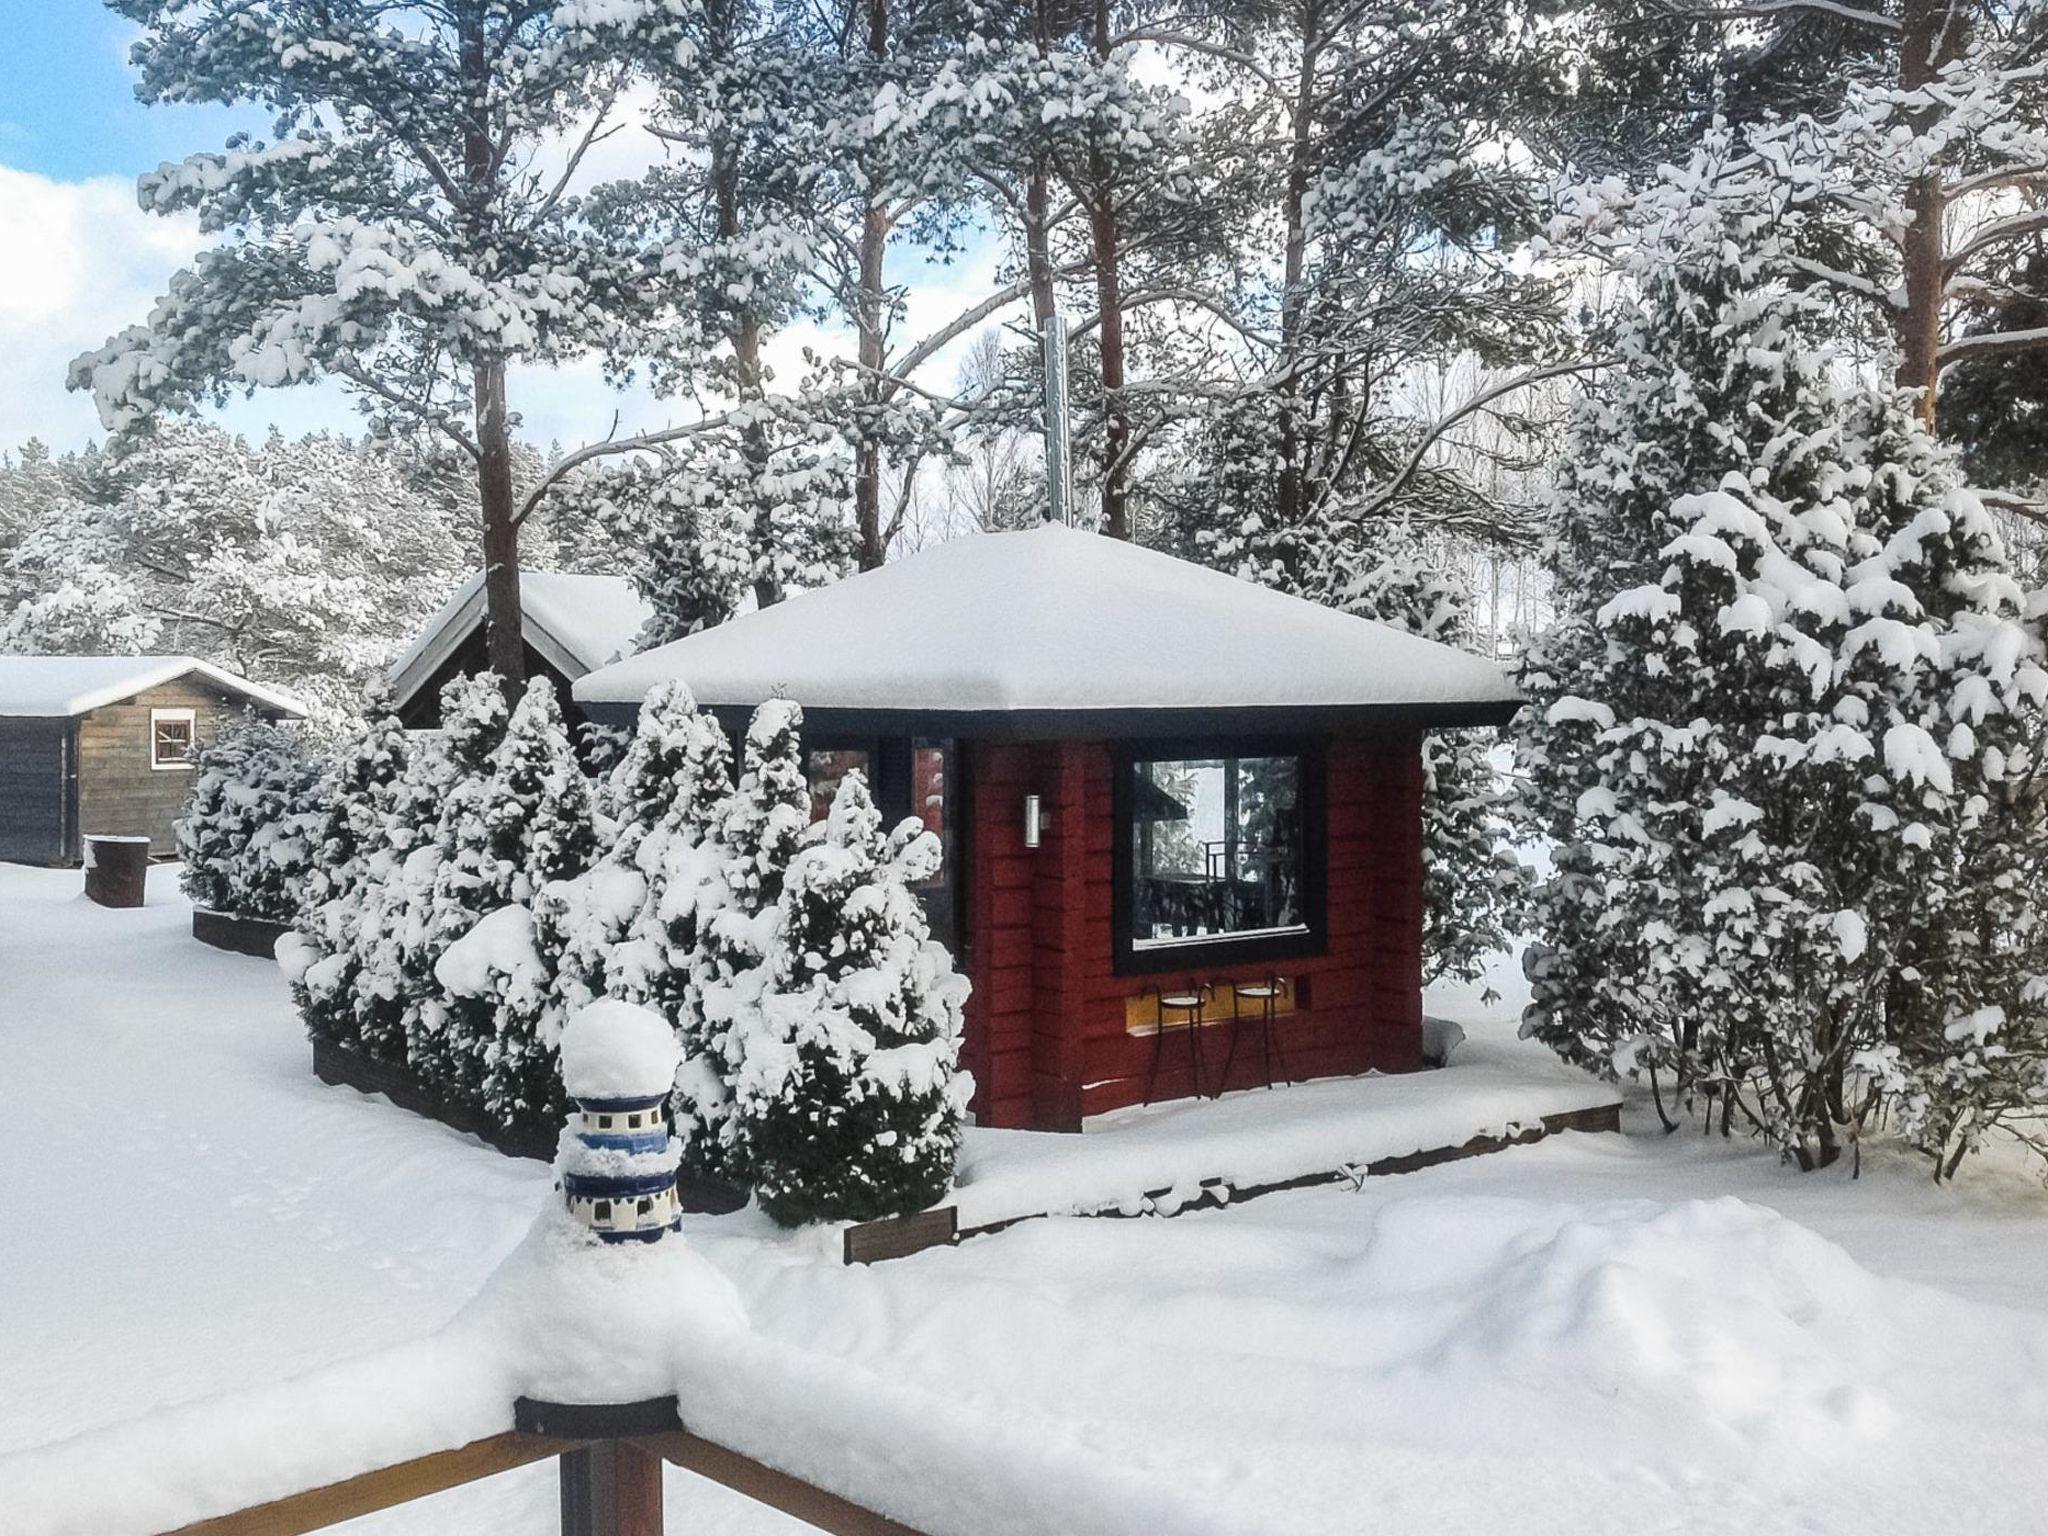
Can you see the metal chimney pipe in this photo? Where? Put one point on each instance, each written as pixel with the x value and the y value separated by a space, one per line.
pixel 1059 465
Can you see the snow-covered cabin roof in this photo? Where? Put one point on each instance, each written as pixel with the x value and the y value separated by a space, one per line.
pixel 578 623
pixel 1054 631
pixel 54 687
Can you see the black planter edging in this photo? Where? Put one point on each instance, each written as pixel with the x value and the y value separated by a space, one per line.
pixel 342 1067
pixel 339 1065
pixel 256 936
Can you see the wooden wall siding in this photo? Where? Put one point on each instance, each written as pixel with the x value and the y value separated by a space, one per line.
pixel 1046 1035
pixel 35 801
pixel 421 711
pixel 119 794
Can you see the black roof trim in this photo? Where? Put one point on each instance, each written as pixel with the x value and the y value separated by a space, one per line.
pixel 1120 724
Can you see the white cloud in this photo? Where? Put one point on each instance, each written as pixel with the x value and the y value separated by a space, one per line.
pixel 78 261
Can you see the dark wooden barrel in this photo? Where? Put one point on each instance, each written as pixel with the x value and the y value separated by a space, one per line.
pixel 115 869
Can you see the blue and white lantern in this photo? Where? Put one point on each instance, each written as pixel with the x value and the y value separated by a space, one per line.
pixel 617 1161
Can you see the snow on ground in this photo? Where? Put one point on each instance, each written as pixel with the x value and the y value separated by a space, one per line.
pixel 1597 1333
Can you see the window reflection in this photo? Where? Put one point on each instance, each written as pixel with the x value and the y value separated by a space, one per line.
pixel 1217 848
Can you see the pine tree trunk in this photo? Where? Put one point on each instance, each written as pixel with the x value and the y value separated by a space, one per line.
pixel 868 312
pixel 1038 243
pixel 503 642
pixel 746 353
pixel 1105 237
pixel 1930 35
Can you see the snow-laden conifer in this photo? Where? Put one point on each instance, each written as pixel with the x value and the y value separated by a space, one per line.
pixel 758 833
pixel 848 1087
pixel 630 923
pixel 1786 661
pixel 344 883
pixel 246 834
pixel 529 823
pixel 447 881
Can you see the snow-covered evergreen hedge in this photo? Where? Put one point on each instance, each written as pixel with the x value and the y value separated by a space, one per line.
pixel 250 826
pixel 475 889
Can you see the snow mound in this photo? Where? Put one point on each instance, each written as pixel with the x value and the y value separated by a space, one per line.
pixel 618 1050
pixel 1717 1313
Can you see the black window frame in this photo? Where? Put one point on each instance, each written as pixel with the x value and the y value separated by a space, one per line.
pixel 1127 959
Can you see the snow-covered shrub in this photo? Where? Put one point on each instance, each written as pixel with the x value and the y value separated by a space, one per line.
pixel 250 820
pixel 849 1092
pixel 1780 736
pixel 445 883
pixel 758 832
pixel 526 823
pixel 353 831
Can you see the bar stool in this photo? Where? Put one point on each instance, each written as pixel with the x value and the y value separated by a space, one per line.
pixel 1265 996
pixel 1179 1012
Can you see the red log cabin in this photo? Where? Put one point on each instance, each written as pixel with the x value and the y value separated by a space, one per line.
pixel 1182 814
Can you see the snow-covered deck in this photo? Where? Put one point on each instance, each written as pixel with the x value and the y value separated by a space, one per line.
pixel 1163 1158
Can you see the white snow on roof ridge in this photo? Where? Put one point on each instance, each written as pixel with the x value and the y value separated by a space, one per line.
pixel 1055 619
pixel 578 620
pixel 57 687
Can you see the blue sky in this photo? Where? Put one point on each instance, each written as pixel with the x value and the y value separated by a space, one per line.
pixel 67 97
pixel 79 261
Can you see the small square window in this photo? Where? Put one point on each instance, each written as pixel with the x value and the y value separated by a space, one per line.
pixel 173 737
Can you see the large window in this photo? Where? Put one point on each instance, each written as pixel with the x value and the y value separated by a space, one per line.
pixel 1219 861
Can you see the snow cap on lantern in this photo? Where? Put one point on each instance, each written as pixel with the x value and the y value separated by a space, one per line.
pixel 617 1160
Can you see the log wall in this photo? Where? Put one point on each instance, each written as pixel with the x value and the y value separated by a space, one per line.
pixel 1047 1033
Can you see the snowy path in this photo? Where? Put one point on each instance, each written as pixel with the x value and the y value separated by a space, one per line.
pixel 1580 1336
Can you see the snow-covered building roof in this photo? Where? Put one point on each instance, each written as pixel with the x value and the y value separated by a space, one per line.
pixel 577 623
pixel 55 687
pixel 1051 630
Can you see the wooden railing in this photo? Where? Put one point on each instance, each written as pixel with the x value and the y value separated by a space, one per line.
pixel 610 1487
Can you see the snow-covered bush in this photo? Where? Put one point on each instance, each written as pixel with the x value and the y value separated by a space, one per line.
pixel 1781 735
pixel 353 835
pixel 526 823
pixel 445 883
pixel 758 832
pixel 849 1093
pixel 250 822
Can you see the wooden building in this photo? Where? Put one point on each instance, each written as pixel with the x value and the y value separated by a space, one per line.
pixel 571 624
pixel 105 744
pixel 1182 814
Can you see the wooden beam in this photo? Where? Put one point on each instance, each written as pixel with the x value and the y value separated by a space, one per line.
pixel 611 1488
pixel 318 1508
pixel 778 1490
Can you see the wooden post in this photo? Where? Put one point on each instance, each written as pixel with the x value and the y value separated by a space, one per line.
pixel 611 1488
pixel 116 869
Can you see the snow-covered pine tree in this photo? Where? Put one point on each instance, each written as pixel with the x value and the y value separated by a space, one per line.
pixel 411 227
pixel 848 1087
pixel 246 835
pixel 629 924
pixel 444 884
pixel 395 898
pixel 758 833
pixel 1774 608
pixel 1948 658
pixel 530 824
pixel 1475 891
pixel 343 883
